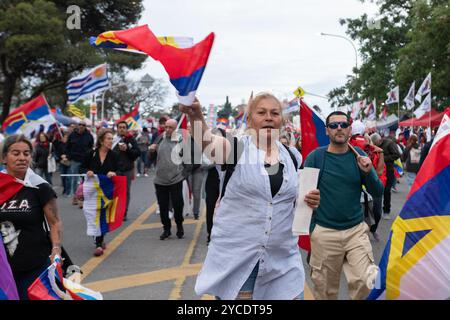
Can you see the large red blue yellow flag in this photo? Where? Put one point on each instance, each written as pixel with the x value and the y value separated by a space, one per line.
pixel 185 66
pixel 104 203
pixel 416 260
pixel 132 118
pixel 51 285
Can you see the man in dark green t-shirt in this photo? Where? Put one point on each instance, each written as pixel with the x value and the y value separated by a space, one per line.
pixel 339 238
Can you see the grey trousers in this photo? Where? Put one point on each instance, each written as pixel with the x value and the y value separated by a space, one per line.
pixel 195 180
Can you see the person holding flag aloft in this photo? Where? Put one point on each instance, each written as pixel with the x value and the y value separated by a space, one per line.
pixel 169 176
pixel 253 253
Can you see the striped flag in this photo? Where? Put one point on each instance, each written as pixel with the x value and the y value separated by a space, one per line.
pixel 185 66
pixel 415 264
pixel 51 285
pixel 104 203
pixel 88 83
pixel 313 135
pixel 132 118
pixel 30 118
pixel 108 40
pixel 77 112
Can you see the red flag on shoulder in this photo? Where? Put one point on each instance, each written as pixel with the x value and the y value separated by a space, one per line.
pixel 9 186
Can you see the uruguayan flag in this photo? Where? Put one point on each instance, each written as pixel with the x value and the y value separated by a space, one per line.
pixel 88 83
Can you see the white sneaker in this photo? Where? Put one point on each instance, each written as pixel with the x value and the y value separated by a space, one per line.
pixel 387 216
pixel 371 276
pixel 157 211
pixel 145 175
pixel 138 175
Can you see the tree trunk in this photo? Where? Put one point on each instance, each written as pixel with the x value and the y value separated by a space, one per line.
pixel 8 91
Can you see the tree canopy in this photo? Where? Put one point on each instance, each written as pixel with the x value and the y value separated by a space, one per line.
pixel 39 53
pixel 410 39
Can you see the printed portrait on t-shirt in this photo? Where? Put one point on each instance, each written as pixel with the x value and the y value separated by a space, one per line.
pixel 10 236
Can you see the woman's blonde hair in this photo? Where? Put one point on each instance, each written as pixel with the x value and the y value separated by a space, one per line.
pixel 256 100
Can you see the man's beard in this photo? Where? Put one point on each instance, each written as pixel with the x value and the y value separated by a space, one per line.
pixel 334 140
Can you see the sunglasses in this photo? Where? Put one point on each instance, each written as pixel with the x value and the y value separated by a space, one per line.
pixel 335 125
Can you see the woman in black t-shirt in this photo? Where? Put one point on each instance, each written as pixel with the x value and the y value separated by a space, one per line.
pixel 22 217
pixel 103 161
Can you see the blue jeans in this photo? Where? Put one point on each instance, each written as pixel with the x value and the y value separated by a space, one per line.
pixel 249 284
pixel 65 180
pixel 377 211
pixel 44 174
pixel 142 160
pixel 74 169
pixel 411 177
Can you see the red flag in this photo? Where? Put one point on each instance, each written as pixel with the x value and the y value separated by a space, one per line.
pixel 131 118
pixel 9 186
pixel 313 136
pixel 185 66
pixel 313 130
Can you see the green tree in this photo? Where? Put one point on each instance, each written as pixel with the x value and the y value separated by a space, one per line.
pixel 121 99
pixel 226 110
pixel 428 49
pixel 38 53
pixel 410 39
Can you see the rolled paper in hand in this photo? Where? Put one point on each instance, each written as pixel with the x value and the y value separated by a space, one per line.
pixel 308 178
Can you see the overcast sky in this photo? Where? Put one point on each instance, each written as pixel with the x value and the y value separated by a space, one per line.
pixel 260 45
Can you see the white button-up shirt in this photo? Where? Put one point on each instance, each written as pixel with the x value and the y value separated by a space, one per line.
pixel 251 226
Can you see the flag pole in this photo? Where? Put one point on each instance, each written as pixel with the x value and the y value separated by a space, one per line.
pixel 92 115
pixel 414 95
pixel 183 115
pixel 429 118
pixel 48 107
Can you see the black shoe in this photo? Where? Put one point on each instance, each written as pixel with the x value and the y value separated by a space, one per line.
pixel 165 235
pixel 196 216
pixel 180 232
pixel 125 218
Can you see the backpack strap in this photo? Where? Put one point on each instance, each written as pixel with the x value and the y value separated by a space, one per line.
pixel 319 160
pixel 229 167
pixel 361 153
pixel 294 160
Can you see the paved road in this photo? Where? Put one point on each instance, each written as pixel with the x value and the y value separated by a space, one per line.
pixel 138 266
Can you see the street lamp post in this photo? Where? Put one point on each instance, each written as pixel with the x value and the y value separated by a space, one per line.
pixel 146 82
pixel 351 42
pixel 103 96
pixel 347 39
